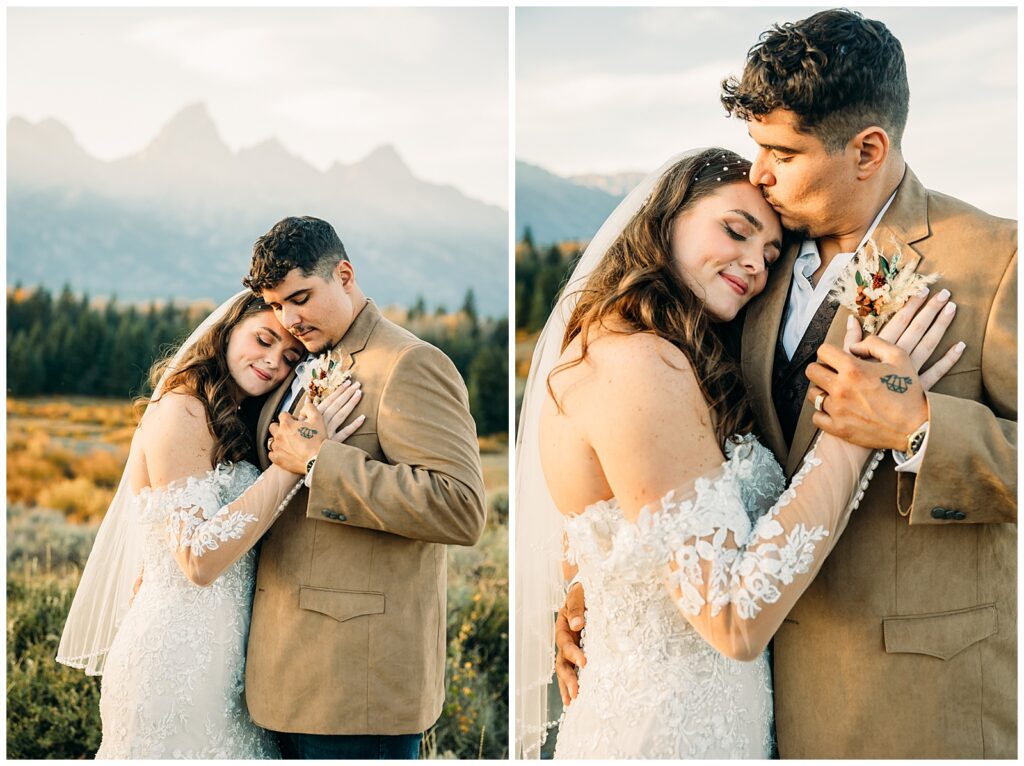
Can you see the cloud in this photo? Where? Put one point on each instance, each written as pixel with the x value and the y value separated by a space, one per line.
pixel 622 90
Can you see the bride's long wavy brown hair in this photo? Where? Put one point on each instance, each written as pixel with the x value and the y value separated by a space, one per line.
pixel 637 282
pixel 204 373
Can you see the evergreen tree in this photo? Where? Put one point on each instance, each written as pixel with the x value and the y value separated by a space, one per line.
pixel 469 309
pixel 544 293
pixel 488 389
pixel 419 309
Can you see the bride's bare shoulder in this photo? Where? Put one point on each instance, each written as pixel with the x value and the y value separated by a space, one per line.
pixel 616 357
pixel 175 416
pixel 622 372
pixel 175 404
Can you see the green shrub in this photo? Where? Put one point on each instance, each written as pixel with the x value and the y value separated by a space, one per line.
pixel 43 538
pixel 52 710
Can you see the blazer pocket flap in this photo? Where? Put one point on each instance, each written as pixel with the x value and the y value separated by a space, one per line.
pixel 943 635
pixel 341 604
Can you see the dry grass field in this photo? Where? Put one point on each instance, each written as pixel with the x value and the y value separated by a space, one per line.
pixel 64 459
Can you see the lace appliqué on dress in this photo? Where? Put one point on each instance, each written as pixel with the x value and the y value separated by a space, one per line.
pixel 174 678
pixel 746 573
pixel 652 686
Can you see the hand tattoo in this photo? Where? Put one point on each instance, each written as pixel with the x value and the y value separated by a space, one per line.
pixel 309 433
pixel 898 384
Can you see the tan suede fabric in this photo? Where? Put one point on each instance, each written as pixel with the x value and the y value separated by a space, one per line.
pixel 905 644
pixel 348 625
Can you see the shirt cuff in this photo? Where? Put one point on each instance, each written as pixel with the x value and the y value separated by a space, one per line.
pixel 308 481
pixel 575 578
pixel 906 464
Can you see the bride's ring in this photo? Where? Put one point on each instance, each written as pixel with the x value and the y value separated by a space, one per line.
pixel 819 402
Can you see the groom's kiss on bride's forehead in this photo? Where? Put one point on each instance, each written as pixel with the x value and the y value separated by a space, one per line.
pixel 881 586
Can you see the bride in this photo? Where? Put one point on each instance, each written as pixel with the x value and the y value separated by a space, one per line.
pixel 638 474
pixel 183 522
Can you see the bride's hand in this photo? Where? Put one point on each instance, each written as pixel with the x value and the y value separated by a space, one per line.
pixel 336 408
pixel 917 331
pixel 869 393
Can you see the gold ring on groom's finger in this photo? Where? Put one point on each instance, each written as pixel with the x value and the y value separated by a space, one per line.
pixel 270 444
pixel 819 402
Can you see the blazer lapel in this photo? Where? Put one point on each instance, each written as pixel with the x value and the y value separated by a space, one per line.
pixel 904 223
pixel 760 333
pixel 358 333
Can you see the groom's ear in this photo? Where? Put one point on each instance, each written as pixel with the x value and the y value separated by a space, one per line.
pixel 871 146
pixel 345 274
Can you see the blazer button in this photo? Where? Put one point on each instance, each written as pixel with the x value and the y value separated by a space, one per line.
pixel 959 515
pixel 341 517
pixel 328 513
pixel 939 513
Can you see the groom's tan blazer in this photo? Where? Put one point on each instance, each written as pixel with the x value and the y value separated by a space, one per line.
pixel 905 644
pixel 348 623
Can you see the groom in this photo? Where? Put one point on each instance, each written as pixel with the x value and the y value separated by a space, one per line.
pixel 905 644
pixel 346 653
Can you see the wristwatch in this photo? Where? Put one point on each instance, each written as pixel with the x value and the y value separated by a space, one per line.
pixel 308 481
pixel 915 440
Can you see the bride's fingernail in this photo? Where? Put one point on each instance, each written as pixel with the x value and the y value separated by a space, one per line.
pixel 950 308
pixel 960 347
pixel 924 291
pixel 576 623
pixel 850 322
pixel 944 295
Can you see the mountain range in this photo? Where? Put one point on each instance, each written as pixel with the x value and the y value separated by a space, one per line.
pixel 178 218
pixel 555 208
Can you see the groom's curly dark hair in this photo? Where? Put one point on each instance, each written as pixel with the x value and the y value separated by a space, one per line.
pixel 837 71
pixel 299 242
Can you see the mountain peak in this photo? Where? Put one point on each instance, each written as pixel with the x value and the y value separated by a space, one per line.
pixel 268 148
pixel 193 119
pixel 384 160
pixel 191 134
pixel 49 129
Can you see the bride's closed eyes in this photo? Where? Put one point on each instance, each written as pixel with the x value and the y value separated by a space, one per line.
pixel 291 357
pixel 740 230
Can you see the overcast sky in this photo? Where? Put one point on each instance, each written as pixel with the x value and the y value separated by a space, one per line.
pixel 331 83
pixel 613 89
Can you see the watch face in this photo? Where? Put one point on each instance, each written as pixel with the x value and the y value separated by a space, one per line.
pixel 916 442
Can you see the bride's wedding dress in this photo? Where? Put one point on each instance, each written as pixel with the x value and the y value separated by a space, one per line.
pixel 173 681
pixel 654 686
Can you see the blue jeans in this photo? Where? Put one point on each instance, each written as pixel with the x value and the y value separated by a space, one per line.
pixel 397 747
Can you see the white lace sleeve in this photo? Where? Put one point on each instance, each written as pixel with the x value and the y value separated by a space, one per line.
pixel 735 579
pixel 207 536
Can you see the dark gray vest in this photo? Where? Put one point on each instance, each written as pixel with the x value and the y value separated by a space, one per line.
pixel 789 383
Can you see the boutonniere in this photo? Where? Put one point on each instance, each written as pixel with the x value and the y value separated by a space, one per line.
pixel 323 374
pixel 874 286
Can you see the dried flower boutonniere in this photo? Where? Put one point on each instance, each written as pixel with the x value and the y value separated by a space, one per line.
pixel 874 287
pixel 323 374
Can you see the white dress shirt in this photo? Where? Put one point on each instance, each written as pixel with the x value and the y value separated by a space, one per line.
pixel 287 399
pixel 805 299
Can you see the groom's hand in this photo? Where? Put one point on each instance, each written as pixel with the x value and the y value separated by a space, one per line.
pixel 569 656
pixel 294 442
